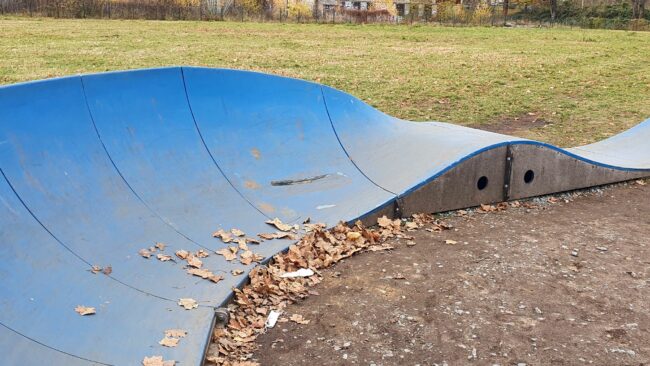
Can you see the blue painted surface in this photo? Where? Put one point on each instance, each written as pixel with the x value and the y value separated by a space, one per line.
pixel 263 130
pixel 64 177
pixel 43 282
pixel 96 167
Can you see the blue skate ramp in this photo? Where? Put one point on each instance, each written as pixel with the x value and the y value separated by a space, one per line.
pixel 95 168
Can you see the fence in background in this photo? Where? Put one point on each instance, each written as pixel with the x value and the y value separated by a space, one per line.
pixel 617 16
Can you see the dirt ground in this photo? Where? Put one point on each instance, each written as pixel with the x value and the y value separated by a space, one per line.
pixel 565 283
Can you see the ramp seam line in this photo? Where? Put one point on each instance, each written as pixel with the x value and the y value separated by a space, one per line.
pixel 70 249
pixel 52 348
pixel 119 172
pixel 31 213
pixel 198 130
pixel 346 151
pixel 39 221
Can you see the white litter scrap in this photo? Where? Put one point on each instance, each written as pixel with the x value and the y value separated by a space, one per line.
pixel 302 272
pixel 272 319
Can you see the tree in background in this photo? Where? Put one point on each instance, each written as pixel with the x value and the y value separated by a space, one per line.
pixel 553 6
pixel 387 5
pixel 638 9
pixel 299 11
pixel 261 7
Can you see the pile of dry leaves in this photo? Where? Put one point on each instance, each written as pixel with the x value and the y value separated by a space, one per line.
pixel 269 291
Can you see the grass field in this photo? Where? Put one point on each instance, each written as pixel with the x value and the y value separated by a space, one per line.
pixel 585 84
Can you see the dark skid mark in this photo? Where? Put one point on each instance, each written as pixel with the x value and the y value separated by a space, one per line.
pixel 290 182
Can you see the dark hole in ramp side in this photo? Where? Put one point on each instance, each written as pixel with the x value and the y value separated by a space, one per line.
pixel 482 183
pixel 529 176
pixel 290 182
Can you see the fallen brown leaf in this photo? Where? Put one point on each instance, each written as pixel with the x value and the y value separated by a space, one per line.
pixel 279 224
pixel 182 254
pixel 194 262
pixel 188 303
pixel 145 253
pixel 410 226
pixel 204 273
pixel 384 221
pixel 227 253
pixel 247 257
pixel 84 310
pixel 175 333
pixel 252 240
pixel 163 257
pixel 313 227
pixel 353 235
pixel 280 235
pixel 487 208
pixel 237 232
pixel 299 319
pixel 241 243
pixel 377 248
pixel 266 236
pixel 157 361
pixel 202 253
pixel 224 236
pixel 169 342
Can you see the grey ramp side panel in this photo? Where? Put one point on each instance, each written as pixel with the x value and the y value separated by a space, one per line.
pixel 273 140
pixel 41 284
pixel 53 159
pixel 458 186
pixel 551 170
pixel 621 157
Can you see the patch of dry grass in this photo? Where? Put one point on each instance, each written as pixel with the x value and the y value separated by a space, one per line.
pixel 588 84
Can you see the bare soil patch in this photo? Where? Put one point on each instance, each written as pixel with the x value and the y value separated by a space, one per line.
pixel 516 125
pixel 565 283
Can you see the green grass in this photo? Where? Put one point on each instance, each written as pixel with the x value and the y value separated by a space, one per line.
pixel 589 84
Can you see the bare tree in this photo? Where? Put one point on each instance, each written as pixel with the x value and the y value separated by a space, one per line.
pixel 638 8
pixel 315 12
pixel 506 5
pixel 553 5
